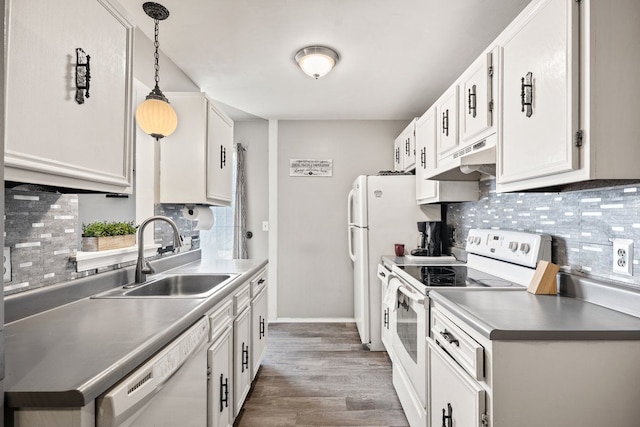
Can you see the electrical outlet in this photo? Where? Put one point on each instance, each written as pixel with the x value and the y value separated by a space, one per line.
pixel 623 256
pixel 7 264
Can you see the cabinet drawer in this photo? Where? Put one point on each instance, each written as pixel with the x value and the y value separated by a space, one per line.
pixel 258 283
pixel 220 318
pixel 241 299
pixel 464 349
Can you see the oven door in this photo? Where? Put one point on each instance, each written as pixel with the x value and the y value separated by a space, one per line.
pixel 409 334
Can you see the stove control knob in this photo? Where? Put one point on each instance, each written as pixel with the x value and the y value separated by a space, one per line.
pixel 470 239
pixel 525 248
pixel 477 240
pixel 513 246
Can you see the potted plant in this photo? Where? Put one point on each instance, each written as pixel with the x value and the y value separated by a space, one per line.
pixel 103 235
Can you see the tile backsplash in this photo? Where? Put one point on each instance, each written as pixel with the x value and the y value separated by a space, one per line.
pixel 41 231
pixel 582 223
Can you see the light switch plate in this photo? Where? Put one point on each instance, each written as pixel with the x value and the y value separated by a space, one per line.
pixel 7 264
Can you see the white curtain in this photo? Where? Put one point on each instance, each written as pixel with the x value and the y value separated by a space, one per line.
pixel 240 207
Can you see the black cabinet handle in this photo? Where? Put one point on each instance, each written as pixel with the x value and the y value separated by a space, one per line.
pixel 386 318
pixel 261 281
pixel 472 101
pixel 245 357
pixel 447 416
pixel 423 158
pixel 526 94
pixel 261 327
pixel 397 155
pixel 224 393
pixel 445 122
pixel 223 157
pixel 407 147
pixel 449 338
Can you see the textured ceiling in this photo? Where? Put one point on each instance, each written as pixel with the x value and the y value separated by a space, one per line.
pixel 397 57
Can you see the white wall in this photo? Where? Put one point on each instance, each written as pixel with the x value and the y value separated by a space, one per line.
pixel 315 273
pixel 254 135
pixel 172 78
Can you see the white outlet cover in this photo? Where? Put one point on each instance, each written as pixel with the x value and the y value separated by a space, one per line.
pixel 7 264
pixel 622 255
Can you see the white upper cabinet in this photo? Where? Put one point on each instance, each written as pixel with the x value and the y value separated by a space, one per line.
pixel 431 191
pixel 478 101
pixel 404 149
pixel 54 136
pixel 196 160
pixel 540 94
pixel 570 69
pixel 447 141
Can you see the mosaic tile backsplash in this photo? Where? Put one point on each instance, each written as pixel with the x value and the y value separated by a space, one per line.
pixel 41 232
pixel 582 224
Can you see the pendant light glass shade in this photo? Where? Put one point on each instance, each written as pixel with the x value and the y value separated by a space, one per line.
pixel 316 61
pixel 156 118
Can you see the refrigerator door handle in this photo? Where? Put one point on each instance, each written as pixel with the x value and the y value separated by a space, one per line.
pixel 352 255
pixel 350 210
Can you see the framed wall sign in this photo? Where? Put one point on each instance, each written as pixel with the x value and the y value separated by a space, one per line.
pixel 307 167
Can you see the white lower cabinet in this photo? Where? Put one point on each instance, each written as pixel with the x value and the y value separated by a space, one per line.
pixel 259 330
pixel 220 388
pixel 242 358
pixel 456 398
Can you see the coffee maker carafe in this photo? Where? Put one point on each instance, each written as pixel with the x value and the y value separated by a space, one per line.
pixel 430 239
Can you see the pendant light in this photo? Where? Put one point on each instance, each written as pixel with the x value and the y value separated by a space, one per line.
pixel 155 116
pixel 316 61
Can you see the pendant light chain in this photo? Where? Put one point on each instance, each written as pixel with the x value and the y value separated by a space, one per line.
pixel 156 43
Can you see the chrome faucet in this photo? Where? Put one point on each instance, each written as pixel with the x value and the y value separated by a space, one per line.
pixel 142 267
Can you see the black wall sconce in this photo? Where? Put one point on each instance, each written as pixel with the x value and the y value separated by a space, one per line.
pixel 83 75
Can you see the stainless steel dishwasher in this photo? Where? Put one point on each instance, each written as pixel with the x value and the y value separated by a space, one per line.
pixel 168 390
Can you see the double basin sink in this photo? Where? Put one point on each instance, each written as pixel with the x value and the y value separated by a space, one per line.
pixel 172 286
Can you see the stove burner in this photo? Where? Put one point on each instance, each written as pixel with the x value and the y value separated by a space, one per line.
pixel 438 276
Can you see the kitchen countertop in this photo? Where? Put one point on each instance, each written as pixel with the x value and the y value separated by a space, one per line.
pixel 507 316
pixel 68 356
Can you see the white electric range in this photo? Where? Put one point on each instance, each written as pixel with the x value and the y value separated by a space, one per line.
pixel 496 259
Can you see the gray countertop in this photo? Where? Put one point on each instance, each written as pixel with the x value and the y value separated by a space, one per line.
pixel 68 356
pixel 507 316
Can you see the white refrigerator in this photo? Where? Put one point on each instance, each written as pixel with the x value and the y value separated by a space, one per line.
pixel 382 211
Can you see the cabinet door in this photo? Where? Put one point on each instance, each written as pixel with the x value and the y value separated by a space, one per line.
pixel 386 333
pixel 51 139
pixel 425 162
pixel 260 330
pixel 540 88
pixel 241 358
pixel 219 157
pixel 456 399
pixel 398 158
pixel 409 146
pixel 220 387
pixel 447 126
pixel 182 161
pixel 477 100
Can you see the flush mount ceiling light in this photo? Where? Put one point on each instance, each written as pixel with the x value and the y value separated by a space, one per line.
pixel 316 61
pixel 155 116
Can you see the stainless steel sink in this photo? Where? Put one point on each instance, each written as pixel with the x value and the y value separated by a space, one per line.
pixel 173 286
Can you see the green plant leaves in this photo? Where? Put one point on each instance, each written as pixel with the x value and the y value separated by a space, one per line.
pixel 104 228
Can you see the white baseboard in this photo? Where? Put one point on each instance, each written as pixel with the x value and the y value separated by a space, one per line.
pixel 313 320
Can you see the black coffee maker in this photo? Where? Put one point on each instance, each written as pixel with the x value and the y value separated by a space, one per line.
pixel 430 239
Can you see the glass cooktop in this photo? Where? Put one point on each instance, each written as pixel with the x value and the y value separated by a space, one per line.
pixel 453 276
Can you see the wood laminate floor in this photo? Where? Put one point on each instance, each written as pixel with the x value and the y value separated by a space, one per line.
pixel 318 374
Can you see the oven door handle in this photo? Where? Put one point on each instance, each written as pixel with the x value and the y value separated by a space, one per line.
pixel 412 295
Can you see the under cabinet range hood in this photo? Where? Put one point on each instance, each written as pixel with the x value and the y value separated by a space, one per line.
pixel 469 163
